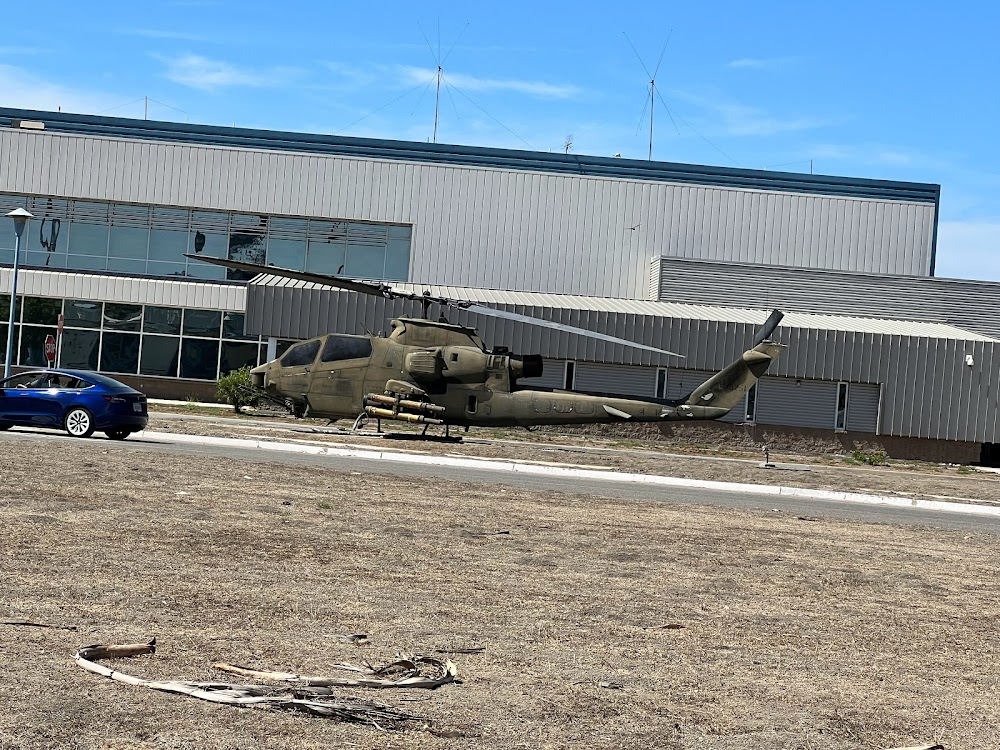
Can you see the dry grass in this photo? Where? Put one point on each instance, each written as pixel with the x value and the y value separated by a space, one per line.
pixel 797 634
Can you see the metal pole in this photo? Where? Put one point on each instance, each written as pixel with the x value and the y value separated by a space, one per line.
pixel 13 307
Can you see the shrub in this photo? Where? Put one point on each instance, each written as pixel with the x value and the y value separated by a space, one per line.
pixel 872 458
pixel 236 389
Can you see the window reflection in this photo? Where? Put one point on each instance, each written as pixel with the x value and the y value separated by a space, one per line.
pixel 32 349
pixel 122 317
pixel 199 359
pixel 162 320
pixel 143 240
pixel 236 355
pixel 128 242
pixel 42 310
pixel 83 313
pixel 159 356
pixel 120 352
pixel 79 349
pixel 88 239
pixel 202 322
pixel 233 324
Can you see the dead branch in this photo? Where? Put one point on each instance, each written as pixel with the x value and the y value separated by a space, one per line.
pixel 420 672
pixel 25 624
pixel 266 696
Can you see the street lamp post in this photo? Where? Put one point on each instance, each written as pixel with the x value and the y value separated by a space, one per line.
pixel 20 217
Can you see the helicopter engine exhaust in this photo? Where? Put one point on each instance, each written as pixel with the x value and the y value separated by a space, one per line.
pixel 403 410
pixel 527 366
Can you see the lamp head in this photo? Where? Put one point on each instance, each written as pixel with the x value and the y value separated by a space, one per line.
pixel 20 217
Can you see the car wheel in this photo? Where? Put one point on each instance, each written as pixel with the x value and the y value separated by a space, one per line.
pixel 118 434
pixel 79 422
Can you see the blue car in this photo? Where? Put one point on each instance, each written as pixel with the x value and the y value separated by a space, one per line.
pixel 77 401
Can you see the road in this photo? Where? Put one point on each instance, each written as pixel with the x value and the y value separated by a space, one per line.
pixel 804 507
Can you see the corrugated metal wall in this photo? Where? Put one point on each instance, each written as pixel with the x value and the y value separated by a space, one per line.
pixel 483 227
pixel 126 289
pixel 929 390
pixel 632 381
pixel 863 402
pixel 968 304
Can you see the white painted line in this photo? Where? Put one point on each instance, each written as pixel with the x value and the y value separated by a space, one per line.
pixel 487 464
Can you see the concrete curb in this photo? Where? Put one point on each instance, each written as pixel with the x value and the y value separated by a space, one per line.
pixel 487 464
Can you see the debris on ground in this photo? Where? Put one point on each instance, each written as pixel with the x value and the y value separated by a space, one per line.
pixel 25 624
pixel 311 695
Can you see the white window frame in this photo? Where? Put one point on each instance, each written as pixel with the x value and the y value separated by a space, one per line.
pixel 750 404
pixel 838 424
pixel 569 375
pixel 661 380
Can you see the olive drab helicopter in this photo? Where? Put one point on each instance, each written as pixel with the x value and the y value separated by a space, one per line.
pixel 439 373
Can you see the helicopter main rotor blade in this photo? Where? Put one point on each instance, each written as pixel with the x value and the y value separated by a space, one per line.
pixel 769 325
pixel 378 290
pixel 492 311
pixel 387 291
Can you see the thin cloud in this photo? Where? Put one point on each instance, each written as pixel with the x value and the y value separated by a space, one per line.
pixel 539 89
pixel 22 50
pixel 182 36
pixel 22 90
pixel 732 119
pixel 761 63
pixel 205 74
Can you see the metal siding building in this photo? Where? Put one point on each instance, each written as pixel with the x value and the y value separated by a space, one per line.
pixel 920 367
pixel 964 303
pixel 510 223
pixel 558 236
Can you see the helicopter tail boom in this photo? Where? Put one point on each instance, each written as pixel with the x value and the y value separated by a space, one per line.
pixel 720 393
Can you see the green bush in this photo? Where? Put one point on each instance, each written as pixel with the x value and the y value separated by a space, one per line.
pixel 872 458
pixel 236 389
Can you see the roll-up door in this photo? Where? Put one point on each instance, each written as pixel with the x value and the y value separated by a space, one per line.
pixel 797 403
pixel 862 407
pixel 624 380
pixel 553 371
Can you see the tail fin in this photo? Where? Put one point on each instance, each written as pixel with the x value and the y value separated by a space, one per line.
pixel 720 393
pixel 723 391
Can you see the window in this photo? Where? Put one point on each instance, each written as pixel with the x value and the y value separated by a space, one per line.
pixel 661 382
pixel 237 354
pixel 569 375
pixel 160 355
pixel 83 313
pixel 840 422
pixel 346 347
pixel 233 324
pixel 79 349
pixel 750 416
pixel 202 323
pixel 300 355
pixel 473 406
pixel 122 317
pixel 199 359
pixel 162 320
pixel 120 353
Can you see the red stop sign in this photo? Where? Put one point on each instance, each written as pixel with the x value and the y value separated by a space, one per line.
pixel 50 348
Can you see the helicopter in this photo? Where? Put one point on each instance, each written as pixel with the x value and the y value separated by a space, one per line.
pixel 434 372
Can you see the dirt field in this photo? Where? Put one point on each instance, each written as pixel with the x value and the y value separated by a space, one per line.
pixel 796 633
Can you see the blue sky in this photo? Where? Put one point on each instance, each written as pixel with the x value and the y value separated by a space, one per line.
pixel 890 90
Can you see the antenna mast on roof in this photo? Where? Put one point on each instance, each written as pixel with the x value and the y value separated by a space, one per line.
pixel 652 85
pixel 439 76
